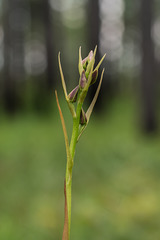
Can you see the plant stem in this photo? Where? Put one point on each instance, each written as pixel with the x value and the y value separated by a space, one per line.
pixel 80 121
pixel 68 196
pixel 74 137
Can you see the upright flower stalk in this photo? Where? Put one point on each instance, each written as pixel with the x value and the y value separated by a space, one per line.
pixel 75 99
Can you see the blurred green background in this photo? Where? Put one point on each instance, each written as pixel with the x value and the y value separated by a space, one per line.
pixel 116 179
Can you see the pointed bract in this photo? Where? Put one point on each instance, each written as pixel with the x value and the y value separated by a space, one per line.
pixel 95 72
pixel 100 62
pixel 95 50
pixel 80 65
pixel 90 109
pixel 62 76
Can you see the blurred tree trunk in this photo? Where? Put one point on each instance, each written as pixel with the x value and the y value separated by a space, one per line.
pixel 148 67
pixel 48 28
pixel 93 31
pixel 14 22
pixel 41 16
pixel 8 85
pixel 94 25
pixel 42 20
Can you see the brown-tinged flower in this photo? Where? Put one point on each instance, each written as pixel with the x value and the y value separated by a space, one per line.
pixel 83 80
pixel 83 118
pixel 73 94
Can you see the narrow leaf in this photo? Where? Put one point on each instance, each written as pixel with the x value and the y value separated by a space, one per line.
pixel 62 77
pixel 64 129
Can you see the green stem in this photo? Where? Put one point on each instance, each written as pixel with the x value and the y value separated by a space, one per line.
pixel 70 162
pixel 68 196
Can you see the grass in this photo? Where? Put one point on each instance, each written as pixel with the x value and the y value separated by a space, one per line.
pixel 117 196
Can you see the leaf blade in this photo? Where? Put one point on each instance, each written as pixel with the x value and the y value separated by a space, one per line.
pixel 64 129
pixel 62 77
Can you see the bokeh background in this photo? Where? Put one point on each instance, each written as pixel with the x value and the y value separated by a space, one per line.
pixel 116 179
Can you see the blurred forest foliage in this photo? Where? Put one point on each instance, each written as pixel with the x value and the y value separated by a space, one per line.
pixel 116 176
pixel 33 32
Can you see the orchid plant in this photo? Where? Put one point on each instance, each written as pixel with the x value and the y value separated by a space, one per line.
pixel 75 99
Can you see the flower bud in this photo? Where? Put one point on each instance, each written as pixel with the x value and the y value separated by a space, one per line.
pixel 84 61
pixel 83 118
pixel 73 94
pixel 83 80
pixel 89 67
pixel 90 56
pixel 94 76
